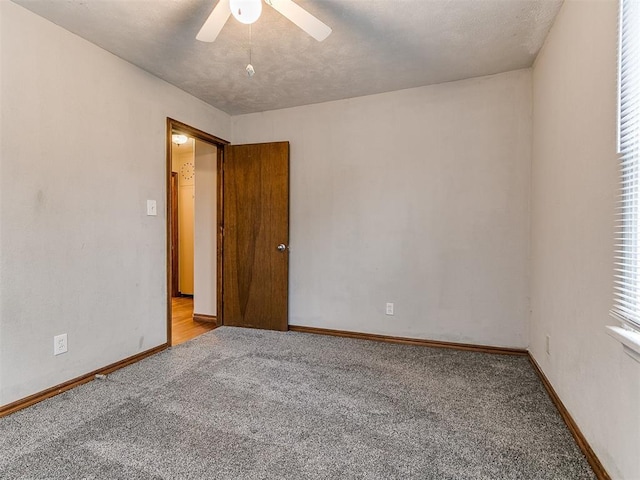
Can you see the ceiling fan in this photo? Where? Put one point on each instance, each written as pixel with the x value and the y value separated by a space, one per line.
pixel 248 11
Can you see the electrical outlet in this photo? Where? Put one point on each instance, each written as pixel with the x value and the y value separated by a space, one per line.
pixel 548 345
pixel 389 308
pixel 60 344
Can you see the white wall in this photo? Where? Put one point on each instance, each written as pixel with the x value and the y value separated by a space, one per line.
pixel 1 207
pixel 574 187
pixel 418 197
pixel 205 273
pixel 83 148
pixel 186 219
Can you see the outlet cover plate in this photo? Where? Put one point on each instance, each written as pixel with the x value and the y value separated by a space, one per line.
pixel 60 344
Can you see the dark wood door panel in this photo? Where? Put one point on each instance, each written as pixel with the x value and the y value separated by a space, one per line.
pixel 256 221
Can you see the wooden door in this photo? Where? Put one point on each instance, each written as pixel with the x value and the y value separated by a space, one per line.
pixel 256 236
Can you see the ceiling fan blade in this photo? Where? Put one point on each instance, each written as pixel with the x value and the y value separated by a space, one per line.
pixel 211 28
pixel 301 18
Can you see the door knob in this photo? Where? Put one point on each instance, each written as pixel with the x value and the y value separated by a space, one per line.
pixel 282 247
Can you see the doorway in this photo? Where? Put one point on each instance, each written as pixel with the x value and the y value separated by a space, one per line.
pixel 193 163
pixel 251 217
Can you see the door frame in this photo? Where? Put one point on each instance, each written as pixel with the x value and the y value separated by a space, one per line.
pixel 175 125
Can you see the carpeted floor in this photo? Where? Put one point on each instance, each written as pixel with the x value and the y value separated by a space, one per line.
pixel 251 404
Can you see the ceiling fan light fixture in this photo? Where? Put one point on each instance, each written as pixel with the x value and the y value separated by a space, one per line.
pixel 246 11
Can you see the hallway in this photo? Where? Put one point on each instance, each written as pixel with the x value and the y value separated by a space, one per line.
pixel 183 328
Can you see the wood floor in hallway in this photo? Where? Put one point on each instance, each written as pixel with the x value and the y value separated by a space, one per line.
pixel 183 328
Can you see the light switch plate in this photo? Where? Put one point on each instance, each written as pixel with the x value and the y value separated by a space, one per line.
pixel 152 208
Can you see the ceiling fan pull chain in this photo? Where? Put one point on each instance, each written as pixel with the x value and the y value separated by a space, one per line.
pixel 250 70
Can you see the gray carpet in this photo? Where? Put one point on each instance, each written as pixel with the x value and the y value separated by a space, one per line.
pixel 249 404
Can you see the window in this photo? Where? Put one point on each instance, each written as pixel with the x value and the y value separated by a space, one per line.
pixel 626 306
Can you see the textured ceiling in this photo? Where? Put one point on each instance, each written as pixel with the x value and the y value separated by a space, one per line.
pixel 376 45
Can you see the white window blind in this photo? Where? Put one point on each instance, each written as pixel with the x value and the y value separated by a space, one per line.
pixel 627 272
